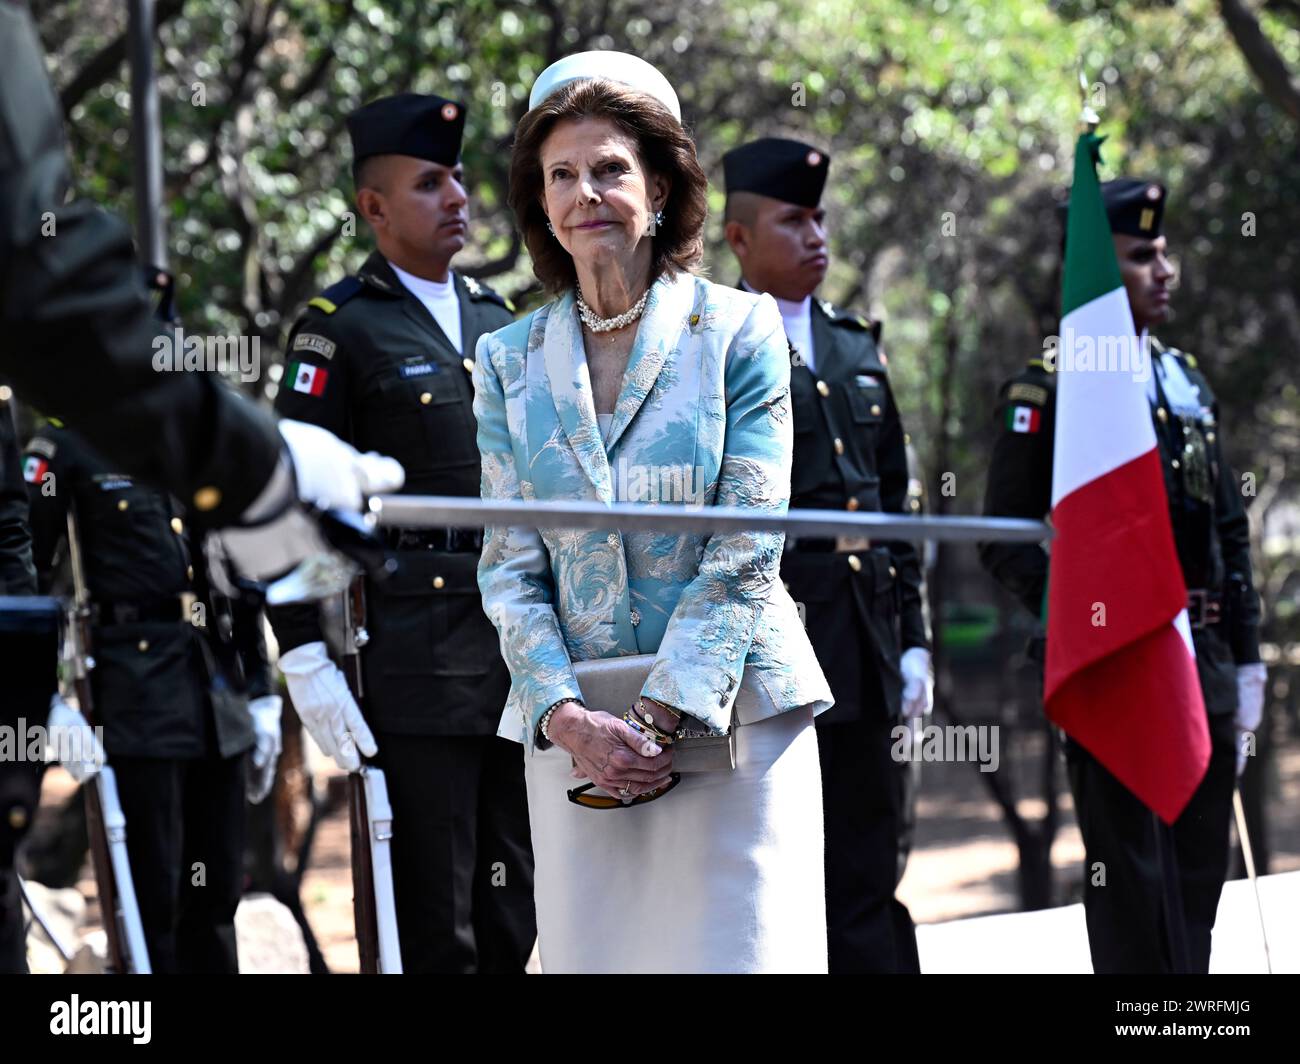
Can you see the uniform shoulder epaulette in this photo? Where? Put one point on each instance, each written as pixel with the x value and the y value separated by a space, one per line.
pixel 478 290
pixel 336 295
pixel 849 318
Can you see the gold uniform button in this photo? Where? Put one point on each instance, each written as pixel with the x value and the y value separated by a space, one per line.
pixel 142 646
pixel 18 818
pixel 787 584
pixel 1174 463
pixel 6 393
pixel 426 398
pixel 852 504
pixel 439 583
pixel 468 363
pixel 875 410
pixel 207 498
pixel 855 563
pixel 177 527
pixel 122 504
pixel 893 571
pixel 1160 413
pixel 189 572
pixel 839 445
pixel 1209 437
pixel 823 389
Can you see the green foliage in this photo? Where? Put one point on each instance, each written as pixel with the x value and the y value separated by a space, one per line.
pixel 950 124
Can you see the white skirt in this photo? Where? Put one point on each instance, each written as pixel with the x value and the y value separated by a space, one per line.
pixel 722 874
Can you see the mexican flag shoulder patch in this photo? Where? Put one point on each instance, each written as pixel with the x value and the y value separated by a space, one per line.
pixel 308 379
pixel 34 469
pixel 1023 418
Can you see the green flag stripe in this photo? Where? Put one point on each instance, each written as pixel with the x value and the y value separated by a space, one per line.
pixel 1091 269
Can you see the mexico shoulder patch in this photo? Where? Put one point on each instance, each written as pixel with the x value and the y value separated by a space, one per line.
pixel 308 379
pixel 35 468
pixel 318 345
pixel 1023 418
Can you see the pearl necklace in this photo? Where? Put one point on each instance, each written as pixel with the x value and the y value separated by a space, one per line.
pixel 600 325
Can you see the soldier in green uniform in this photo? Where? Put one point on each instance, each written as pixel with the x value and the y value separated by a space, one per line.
pixel 1125 912
pixel 861 599
pixel 383 359
pixel 181 686
pixel 27 688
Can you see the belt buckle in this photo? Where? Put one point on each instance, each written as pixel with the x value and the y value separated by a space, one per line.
pixel 852 544
pixel 1197 600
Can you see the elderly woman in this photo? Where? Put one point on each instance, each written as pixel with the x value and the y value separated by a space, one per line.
pixel 642 368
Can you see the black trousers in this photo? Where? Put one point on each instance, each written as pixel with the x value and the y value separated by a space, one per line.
pixel 185 840
pixel 462 852
pixel 1123 884
pixel 865 797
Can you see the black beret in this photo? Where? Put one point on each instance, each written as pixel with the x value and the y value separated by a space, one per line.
pixel 787 170
pixel 1133 206
pixel 427 127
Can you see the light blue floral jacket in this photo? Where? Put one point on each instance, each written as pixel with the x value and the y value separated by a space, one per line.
pixel 703 418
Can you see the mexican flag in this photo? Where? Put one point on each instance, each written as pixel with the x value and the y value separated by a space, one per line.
pixel 1121 672
pixel 308 378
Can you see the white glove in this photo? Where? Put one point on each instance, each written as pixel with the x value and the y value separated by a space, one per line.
pixel 330 474
pixel 918 683
pixel 72 741
pixel 320 695
pixel 335 475
pixel 1250 706
pixel 265 712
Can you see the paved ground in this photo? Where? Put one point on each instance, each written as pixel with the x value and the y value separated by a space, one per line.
pixel 963 865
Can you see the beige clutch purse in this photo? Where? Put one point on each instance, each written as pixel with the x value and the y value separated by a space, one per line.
pixel 614 684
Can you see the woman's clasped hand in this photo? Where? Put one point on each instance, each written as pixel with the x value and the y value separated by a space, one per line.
pixel 609 752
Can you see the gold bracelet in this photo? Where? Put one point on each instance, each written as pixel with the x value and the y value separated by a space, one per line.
pixel 647 717
pixel 663 738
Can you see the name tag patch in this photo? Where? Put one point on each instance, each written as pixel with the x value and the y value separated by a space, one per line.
pixel 417 369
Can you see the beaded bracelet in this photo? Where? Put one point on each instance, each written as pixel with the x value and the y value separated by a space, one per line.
pixel 545 722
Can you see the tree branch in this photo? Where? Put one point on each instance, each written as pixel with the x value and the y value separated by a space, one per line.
pixel 1263 59
pixel 106 62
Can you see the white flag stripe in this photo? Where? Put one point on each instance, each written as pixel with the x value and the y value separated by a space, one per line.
pixel 1094 447
pixel 1184 628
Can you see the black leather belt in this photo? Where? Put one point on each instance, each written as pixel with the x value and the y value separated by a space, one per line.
pixel 810 545
pixel 451 540
pixel 1204 607
pixel 123 611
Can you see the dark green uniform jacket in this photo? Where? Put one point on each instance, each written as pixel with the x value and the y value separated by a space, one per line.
pixel 1209 520
pixel 369 362
pixel 174 667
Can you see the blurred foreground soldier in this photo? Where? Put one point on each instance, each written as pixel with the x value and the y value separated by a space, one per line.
pixel 181 687
pixel 383 359
pixel 862 600
pixel 26 695
pixel 1126 922
pixel 77 335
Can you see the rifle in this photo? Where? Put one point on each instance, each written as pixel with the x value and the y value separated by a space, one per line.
pixel 370 820
pixel 105 821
